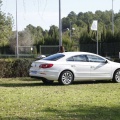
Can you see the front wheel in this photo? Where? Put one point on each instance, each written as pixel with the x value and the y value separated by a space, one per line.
pixel 116 77
pixel 66 77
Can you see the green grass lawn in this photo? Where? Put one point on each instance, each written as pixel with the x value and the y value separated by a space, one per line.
pixel 29 99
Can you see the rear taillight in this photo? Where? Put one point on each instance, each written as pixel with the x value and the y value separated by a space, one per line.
pixel 45 65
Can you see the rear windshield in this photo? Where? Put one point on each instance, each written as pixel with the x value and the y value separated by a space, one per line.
pixel 54 57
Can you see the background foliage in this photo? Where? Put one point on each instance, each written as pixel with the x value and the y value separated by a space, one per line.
pixel 75 27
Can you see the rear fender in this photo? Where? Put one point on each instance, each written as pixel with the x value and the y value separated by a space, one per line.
pixel 66 70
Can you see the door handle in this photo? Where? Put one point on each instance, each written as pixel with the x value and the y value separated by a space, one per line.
pixel 92 67
pixel 72 65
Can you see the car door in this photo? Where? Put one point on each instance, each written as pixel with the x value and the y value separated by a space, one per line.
pixel 81 67
pixel 99 68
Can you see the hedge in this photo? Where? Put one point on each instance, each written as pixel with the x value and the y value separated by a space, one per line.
pixel 117 60
pixel 10 68
pixel 14 67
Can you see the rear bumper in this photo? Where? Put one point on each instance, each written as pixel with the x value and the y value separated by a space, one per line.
pixel 50 75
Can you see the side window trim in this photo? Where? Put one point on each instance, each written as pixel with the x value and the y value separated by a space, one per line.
pixel 98 61
pixel 85 60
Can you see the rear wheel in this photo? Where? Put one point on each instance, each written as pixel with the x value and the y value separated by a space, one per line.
pixel 45 81
pixel 66 77
pixel 116 77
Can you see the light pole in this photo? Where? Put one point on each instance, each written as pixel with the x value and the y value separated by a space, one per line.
pixel 112 19
pixel 71 29
pixel 61 48
pixel 16 33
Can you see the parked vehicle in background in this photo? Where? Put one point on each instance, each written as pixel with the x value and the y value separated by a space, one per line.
pixel 41 56
pixel 74 66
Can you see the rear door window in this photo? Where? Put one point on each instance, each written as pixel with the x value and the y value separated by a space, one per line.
pixel 78 58
pixel 93 58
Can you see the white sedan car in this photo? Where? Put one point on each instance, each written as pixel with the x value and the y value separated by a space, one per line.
pixel 73 66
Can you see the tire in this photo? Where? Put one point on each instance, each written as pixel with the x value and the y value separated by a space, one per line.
pixel 116 77
pixel 47 82
pixel 66 77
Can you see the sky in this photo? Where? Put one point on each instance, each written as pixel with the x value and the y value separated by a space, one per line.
pixel 45 13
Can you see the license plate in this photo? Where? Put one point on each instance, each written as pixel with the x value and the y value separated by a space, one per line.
pixel 34 72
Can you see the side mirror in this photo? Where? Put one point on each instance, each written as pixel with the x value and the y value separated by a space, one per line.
pixel 105 61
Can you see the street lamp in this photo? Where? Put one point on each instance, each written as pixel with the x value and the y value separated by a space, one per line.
pixel 112 19
pixel 61 49
pixel 31 50
pixel 16 33
pixel 71 30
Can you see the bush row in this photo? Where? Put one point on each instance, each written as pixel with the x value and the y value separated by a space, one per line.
pixel 19 67
pixel 14 67
pixel 116 60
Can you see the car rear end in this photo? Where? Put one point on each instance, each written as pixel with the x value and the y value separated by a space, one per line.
pixel 49 67
pixel 44 69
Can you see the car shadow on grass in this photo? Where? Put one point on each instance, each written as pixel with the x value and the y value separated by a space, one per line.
pixel 31 82
pixel 92 82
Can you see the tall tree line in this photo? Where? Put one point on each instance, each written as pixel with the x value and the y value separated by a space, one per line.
pixel 6 23
pixel 75 27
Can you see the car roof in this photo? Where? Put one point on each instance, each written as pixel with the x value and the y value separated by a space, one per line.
pixel 69 54
pixel 76 53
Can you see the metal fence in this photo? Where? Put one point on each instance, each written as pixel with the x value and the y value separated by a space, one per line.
pixel 104 49
pixel 49 49
pixel 23 52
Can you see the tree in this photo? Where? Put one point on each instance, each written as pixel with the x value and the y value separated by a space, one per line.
pixel 36 34
pixel 24 39
pixel 5 28
pixel 73 17
pixel 54 35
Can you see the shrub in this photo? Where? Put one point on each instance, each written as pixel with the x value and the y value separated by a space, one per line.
pixel 117 60
pixel 14 67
